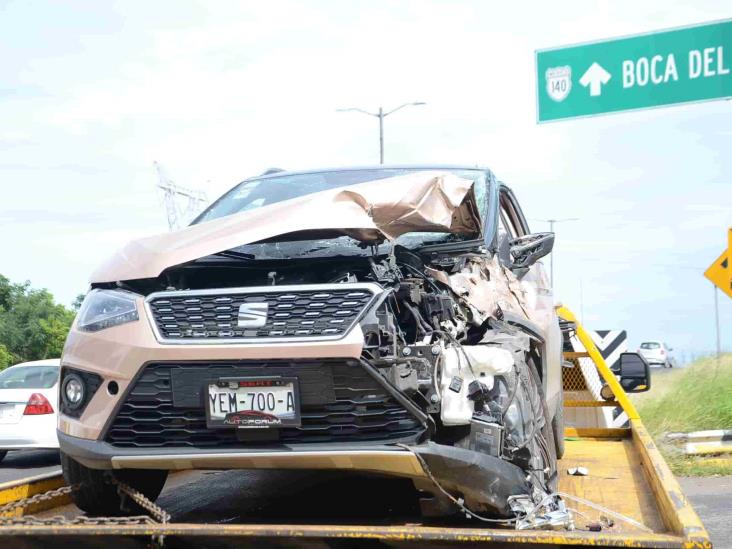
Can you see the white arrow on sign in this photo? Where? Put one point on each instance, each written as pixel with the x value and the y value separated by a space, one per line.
pixel 595 77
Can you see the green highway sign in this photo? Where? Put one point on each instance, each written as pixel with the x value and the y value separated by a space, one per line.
pixel 637 72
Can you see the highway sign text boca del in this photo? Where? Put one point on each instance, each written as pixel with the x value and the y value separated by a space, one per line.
pixel 650 70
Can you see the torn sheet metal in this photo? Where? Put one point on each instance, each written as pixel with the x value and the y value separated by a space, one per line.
pixel 485 286
pixel 429 201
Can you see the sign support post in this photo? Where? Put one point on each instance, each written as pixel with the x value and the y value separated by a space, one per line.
pixel 716 320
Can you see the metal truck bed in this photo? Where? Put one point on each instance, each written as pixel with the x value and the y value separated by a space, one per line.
pixel 628 482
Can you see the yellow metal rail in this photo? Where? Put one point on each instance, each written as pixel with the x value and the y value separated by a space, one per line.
pixel 602 367
pixel 676 511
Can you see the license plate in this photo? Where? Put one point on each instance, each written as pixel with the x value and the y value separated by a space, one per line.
pixel 7 412
pixel 253 403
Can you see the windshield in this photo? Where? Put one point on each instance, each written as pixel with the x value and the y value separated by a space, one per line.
pixel 255 193
pixel 29 377
pixel 258 192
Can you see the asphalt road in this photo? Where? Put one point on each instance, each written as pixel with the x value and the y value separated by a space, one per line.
pixel 28 463
pixel 711 497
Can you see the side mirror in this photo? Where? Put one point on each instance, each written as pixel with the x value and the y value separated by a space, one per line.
pixel 634 372
pixel 527 250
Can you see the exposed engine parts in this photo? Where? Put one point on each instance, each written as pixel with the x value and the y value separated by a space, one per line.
pixel 475 376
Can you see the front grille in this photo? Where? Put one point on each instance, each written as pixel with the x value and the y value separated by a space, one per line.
pixel 340 402
pixel 285 312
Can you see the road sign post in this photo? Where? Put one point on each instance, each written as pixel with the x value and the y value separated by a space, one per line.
pixel 650 70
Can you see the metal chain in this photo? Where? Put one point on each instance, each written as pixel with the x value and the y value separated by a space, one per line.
pixel 159 515
pixel 143 501
pixel 59 520
pixel 43 496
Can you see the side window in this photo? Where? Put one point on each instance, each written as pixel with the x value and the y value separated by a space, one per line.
pixel 504 227
pixel 511 225
pixel 510 222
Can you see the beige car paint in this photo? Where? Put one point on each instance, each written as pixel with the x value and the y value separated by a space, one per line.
pixel 386 208
pixel 484 284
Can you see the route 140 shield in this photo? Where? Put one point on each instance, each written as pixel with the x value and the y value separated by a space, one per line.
pixel 558 82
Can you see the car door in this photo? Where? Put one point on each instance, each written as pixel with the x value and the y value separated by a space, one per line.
pixel 538 294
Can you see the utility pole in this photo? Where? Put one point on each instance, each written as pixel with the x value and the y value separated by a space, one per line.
pixel 381 135
pixel 381 115
pixel 551 230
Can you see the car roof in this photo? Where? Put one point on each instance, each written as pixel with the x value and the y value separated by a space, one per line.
pixel 372 167
pixel 44 362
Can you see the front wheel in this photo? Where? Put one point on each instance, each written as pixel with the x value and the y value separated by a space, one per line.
pixel 97 496
pixel 529 431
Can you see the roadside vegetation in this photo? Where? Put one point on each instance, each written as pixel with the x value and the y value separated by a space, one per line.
pixel 32 325
pixel 695 398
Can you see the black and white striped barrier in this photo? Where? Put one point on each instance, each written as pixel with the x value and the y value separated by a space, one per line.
pixel 700 443
pixel 611 344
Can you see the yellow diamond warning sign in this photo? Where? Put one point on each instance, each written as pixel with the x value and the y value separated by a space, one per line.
pixel 720 272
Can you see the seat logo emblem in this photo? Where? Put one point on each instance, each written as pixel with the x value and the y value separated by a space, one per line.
pixel 252 315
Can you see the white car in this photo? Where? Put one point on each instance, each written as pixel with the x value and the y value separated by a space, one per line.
pixel 29 406
pixel 657 353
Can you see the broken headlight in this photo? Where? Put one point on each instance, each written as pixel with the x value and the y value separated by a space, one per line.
pixel 106 308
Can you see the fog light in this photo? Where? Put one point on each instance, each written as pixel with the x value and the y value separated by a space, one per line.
pixel 73 391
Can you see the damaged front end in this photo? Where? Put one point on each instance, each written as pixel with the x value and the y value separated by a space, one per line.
pixel 436 331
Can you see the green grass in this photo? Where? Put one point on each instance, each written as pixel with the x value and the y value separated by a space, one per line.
pixel 694 398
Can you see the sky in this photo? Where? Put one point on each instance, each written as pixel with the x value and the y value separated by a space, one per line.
pixel 92 93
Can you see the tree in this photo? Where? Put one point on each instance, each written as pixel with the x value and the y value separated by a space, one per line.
pixel 32 325
pixel 78 300
pixel 6 359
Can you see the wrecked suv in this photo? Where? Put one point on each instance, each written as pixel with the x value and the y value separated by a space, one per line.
pixel 389 320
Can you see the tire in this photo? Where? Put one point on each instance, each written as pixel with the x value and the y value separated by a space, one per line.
pixel 3 453
pixel 558 427
pixel 96 496
pixel 541 447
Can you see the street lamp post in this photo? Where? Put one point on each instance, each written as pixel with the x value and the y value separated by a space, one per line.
pixel 551 230
pixel 381 115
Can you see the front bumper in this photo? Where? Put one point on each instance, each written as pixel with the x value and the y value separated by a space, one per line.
pixel 485 482
pixel 362 457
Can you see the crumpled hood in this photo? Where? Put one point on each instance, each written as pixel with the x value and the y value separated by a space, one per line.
pixel 376 210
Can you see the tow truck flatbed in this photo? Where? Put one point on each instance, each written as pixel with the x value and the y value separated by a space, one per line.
pixel 628 481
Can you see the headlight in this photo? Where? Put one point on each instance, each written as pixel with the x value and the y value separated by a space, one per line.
pixel 106 308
